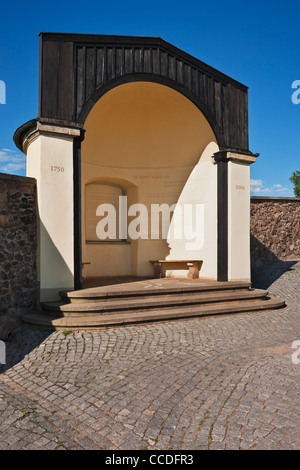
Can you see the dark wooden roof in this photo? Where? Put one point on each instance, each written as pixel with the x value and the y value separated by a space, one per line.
pixel 77 69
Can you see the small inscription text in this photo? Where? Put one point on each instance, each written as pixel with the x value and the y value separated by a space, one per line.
pixel 57 169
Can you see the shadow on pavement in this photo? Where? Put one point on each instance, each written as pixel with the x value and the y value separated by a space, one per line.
pixel 264 276
pixel 22 342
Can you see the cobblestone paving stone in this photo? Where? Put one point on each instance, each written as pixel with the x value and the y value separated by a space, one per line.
pixel 222 382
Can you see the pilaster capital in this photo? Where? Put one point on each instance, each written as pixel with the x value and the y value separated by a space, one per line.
pixel 31 130
pixel 232 155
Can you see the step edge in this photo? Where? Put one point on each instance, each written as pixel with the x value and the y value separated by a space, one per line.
pixel 45 320
pixel 165 302
pixel 137 292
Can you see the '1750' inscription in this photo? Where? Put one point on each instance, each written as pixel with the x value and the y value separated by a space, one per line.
pixel 57 169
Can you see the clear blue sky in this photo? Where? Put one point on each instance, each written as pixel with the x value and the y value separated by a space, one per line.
pixel 256 43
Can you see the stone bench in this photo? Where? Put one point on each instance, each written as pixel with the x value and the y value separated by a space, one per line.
pixel 193 265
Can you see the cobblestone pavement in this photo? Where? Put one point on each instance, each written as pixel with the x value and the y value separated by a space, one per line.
pixel 223 382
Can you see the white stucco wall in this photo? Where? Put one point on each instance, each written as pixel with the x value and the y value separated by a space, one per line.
pixel 238 221
pixel 50 161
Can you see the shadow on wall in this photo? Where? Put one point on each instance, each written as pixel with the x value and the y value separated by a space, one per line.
pixel 56 272
pixel 260 254
pixel 266 267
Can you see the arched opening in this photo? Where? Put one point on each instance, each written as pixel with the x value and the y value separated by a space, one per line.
pixel 148 142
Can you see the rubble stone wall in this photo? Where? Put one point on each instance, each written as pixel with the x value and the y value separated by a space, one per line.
pixel 275 230
pixel 18 250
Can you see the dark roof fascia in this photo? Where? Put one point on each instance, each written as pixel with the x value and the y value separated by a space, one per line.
pixel 141 41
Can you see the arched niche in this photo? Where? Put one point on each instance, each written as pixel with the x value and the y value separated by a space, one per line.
pixel 151 140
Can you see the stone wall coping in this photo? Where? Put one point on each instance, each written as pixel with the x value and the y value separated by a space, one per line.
pixel 275 199
pixel 17 178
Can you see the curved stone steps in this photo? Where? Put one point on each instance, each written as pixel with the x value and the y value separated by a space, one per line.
pixel 150 302
pixel 151 288
pixel 42 319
